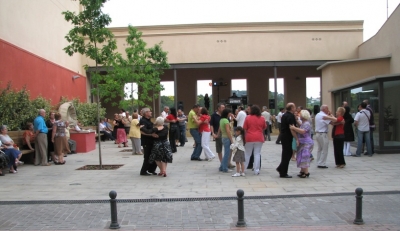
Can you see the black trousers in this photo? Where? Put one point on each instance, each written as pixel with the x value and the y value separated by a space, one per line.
pixel 286 155
pixel 338 144
pixel 173 135
pixel 279 136
pixel 147 167
pixel 107 135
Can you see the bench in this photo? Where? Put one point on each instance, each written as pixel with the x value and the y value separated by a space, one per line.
pixel 16 136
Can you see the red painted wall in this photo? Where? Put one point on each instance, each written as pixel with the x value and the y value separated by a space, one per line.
pixel 40 76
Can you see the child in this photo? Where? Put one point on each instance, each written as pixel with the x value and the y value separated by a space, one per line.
pixel 238 150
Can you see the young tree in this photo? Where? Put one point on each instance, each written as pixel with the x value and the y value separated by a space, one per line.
pixel 90 37
pixel 141 65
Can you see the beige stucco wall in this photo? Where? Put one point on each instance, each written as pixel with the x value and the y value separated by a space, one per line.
pixel 385 42
pixel 38 27
pixel 341 74
pixel 247 42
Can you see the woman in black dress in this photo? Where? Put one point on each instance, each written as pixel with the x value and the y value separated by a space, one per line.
pixel 50 145
pixel 348 131
pixel 161 152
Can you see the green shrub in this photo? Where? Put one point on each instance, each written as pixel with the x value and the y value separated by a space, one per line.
pixel 16 109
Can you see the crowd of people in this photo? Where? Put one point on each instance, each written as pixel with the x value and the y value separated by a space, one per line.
pixel 240 135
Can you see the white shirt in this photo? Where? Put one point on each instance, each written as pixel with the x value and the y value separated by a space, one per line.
pixel 321 125
pixel 77 128
pixel 101 127
pixel 240 118
pixel 237 145
pixel 279 117
pixel 164 115
pixel 267 116
pixel 363 121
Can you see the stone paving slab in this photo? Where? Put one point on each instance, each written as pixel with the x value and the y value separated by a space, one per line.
pixel 193 178
pixel 380 212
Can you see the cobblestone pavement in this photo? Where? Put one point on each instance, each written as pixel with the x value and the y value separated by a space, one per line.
pixel 193 179
pixel 380 212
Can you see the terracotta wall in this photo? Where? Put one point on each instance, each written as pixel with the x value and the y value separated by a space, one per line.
pixel 40 76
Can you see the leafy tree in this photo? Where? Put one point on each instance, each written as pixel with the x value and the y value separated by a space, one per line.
pixel 142 66
pixel 167 101
pixel 90 37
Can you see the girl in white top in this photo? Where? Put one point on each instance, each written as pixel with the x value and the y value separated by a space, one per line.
pixel 238 150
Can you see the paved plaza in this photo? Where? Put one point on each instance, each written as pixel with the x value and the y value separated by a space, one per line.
pixel 200 194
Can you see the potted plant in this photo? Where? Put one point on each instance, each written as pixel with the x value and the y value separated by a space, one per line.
pixel 389 121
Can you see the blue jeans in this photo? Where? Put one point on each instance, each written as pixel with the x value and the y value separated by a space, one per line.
pixel 182 134
pixel 197 139
pixel 363 136
pixel 226 142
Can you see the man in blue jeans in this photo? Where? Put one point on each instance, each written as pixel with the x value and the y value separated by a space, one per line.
pixel 193 125
pixel 361 121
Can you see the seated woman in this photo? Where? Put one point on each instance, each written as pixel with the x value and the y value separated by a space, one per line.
pixel 3 162
pixel 9 143
pixel 161 152
pixel 5 138
pixel 28 140
pixel 13 156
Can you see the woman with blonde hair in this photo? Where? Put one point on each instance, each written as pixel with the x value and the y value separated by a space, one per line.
pixel 161 152
pixel 304 142
pixel 134 135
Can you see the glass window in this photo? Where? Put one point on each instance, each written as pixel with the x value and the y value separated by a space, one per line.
pixel 370 93
pixel 391 113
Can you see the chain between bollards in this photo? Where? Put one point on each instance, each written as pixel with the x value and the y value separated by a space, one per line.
pixel 359 220
pixel 113 203
pixel 240 198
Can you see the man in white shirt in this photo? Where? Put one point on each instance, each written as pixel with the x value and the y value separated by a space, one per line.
pixel 321 134
pixel 165 113
pixel 361 121
pixel 241 116
pixel 267 117
pixel 279 119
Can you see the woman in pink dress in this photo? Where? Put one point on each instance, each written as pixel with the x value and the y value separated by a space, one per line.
pixel 121 134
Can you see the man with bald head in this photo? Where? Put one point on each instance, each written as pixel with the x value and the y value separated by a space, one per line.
pixel 40 130
pixel 321 135
pixel 286 138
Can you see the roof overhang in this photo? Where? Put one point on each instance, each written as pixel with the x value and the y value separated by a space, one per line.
pixel 366 80
pixel 352 60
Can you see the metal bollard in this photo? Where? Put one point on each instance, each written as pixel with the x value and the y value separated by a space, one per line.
pixel 113 203
pixel 359 220
pixel 240 198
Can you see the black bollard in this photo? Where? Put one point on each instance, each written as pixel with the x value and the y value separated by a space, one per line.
pixel 113 203
pixel 240 198
pixel 358 220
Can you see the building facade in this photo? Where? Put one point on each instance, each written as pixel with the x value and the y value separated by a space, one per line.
pixel 350 69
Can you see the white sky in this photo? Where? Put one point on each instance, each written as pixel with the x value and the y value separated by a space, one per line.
pixel 169 12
